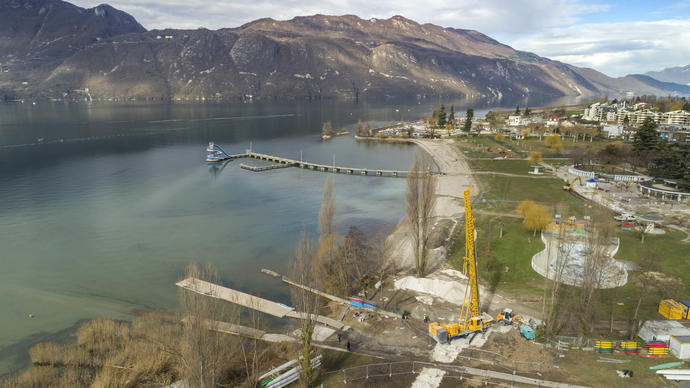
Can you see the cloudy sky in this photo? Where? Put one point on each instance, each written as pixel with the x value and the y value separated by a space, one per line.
pixel 616 37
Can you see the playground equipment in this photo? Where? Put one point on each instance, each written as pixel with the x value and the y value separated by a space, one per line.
pixel 569 186
pixel 656 350
pixel 629 347
pixel 470 319
pixel 214 153
pixel 605 346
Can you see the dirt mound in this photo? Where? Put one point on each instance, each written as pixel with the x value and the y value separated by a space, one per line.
pixel 514 347
pixel 660 280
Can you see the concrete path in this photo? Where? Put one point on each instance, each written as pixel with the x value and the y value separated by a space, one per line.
pixel 428 378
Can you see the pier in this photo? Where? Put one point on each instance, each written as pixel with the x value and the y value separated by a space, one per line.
pixel 280 162
pixel 250 301
pixel 264 168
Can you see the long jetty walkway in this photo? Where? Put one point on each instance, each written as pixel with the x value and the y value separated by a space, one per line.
pixel 250 301
pixel 280 162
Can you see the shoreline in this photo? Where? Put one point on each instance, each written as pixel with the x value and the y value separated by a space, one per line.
pixel 456 176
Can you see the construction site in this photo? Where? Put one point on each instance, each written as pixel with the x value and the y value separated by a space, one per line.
pixel 454 339
pixel 530 279
pixel 447 329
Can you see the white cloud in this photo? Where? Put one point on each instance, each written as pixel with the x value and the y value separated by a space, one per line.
pixel 487 16
pixel 615 48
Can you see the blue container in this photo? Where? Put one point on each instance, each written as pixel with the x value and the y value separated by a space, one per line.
pixel 686 308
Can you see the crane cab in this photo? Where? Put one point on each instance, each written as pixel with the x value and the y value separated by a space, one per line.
pixel 476 324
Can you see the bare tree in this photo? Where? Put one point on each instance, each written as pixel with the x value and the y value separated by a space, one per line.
pixel 595 268
pixel 202 350
pixel 360 131
pixel 250 346
pixel 419 205
pixel 306 302
pixel 327 275
pixel 646 283
pixel 352 262
pixel 555 276
pixel 327 129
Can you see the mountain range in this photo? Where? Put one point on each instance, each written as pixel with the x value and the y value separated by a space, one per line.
pixel 679 74
pixel 53 49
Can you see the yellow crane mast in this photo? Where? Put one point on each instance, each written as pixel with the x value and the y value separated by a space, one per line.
pixel 470 319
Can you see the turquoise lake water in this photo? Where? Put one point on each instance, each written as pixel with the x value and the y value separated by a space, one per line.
pixel 103 205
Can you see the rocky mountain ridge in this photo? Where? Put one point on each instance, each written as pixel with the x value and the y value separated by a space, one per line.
pixel 52 49
pixel 678 74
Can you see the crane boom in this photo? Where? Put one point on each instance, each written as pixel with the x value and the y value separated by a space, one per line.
pixel 470 257
pixel 470 320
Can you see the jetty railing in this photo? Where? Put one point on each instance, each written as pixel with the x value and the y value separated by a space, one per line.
pixel 280 162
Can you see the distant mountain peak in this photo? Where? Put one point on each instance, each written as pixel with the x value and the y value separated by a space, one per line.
pixel 55 49
pixel 677 74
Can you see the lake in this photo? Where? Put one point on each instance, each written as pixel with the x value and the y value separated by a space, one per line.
pixel 103 205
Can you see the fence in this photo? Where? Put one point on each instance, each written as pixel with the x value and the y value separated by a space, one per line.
pixel 564 342
pixel 392 369
pixel 501 361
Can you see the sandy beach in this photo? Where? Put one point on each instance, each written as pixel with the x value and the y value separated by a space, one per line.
pixel 456 176
pixel 454 179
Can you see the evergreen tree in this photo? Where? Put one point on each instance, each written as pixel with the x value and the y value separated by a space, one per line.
pixel 468 120
pixel 686 106
pixel 527 111
pixel 451 117
pixel 442 116
pixel 626 120
pixel 517 110
pixel 647 138
pixel 671 162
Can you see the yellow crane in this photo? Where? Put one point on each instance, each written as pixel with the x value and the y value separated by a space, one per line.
pixel 569 186
pixel 470 319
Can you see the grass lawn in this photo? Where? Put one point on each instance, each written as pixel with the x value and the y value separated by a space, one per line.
pixel 476 147
pixel 521 167
pixel 534 144
pixel 514 250
pixel 584 366
pixel 335 360
pixel 502 193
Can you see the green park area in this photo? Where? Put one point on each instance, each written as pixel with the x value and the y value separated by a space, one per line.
pixel 534 144
pixel 505 258
pixel 489 146
pixel 504 194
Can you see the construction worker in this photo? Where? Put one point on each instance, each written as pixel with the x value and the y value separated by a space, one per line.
pixel 426 318
pixel 340 336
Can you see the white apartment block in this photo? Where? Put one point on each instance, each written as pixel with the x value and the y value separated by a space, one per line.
pixel 601 112
pixel 515 121
pixel 676 117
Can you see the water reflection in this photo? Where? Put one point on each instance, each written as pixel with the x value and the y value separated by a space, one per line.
pixel 216 169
